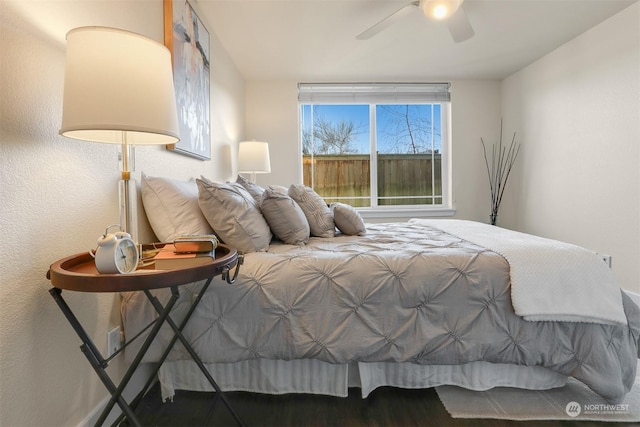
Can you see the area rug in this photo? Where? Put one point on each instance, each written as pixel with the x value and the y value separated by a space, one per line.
pixel 575 401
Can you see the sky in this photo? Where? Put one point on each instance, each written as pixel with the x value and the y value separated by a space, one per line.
pixel 392 129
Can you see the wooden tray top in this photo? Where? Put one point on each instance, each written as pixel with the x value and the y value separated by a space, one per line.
pixel 78 273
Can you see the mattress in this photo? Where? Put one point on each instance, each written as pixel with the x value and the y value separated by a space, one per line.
pixel 405 293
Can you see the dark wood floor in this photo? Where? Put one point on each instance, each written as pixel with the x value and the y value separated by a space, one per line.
pixel 384 407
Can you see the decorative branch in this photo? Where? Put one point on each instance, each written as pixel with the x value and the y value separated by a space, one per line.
pixel 502 160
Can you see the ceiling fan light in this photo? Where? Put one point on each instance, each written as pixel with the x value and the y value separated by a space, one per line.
pixel 440 9
pixel 440 12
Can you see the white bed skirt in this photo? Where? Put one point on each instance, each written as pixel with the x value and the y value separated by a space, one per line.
pixel 317 377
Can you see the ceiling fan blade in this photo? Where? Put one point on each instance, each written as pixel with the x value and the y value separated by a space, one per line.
pixel 372 31
pixel 459 26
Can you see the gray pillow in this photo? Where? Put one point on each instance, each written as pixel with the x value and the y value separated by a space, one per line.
pixel 172 207
pixel 348 220
pixel 252 188
pixel 234 216
pixel 286 219
pixel 243 192
pixel 248 197
pixel 315 209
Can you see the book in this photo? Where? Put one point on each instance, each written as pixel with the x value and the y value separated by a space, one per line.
pixel 168 259
pixel 196 243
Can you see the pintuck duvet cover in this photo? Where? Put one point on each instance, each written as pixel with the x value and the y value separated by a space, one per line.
pixel 415 293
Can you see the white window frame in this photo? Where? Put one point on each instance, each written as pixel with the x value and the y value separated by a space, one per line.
pixel 373 94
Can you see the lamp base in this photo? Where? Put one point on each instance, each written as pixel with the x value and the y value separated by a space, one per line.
pixel 128 207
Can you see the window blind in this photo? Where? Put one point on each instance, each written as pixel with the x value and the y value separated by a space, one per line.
pixel 355 93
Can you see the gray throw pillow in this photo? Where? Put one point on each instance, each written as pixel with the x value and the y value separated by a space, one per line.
pixel 286 219
pixel 234 216
pixel 315 209
pixel 348 220
pixel 252 188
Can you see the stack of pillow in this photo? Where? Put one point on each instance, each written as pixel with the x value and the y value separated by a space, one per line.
pixel 243 214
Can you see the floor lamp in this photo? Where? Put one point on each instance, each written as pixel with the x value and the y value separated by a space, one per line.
pixel 253 158
pixel 118 89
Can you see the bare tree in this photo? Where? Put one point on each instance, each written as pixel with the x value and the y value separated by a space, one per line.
pixel 408 131
pixel 330 137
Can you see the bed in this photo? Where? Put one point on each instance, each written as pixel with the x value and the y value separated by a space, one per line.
pixel 414 304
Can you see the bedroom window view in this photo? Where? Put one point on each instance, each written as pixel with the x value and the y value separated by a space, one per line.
pixel 374 154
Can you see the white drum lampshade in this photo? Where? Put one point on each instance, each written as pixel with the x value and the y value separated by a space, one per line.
pixel 118 89
pixel 253 158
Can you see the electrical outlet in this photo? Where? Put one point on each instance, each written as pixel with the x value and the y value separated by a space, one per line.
pixel 113 341
pixel 606 259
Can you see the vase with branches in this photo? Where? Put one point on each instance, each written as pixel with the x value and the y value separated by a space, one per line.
pixel 499 167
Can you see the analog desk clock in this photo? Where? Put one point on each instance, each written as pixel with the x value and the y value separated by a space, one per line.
pixel 116 253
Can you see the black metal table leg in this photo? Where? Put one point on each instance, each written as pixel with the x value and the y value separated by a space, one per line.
pixel 164 356
pixel 163 316
pixel 93 355
pixel 178 335
pixel 98 362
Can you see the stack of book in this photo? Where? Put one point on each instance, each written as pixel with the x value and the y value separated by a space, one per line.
pixel 187 251
pixel 196 244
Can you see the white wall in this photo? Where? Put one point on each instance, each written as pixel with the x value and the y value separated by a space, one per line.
pixel 576 110
pixel 57 196
pixel 272 115
pixel 578 114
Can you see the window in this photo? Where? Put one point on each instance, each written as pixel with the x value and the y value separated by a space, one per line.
pixel 376 146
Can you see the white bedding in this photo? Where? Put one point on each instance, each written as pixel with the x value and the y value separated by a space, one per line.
pixel 550 280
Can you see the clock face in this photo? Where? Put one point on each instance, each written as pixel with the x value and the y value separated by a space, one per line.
pixel 126 256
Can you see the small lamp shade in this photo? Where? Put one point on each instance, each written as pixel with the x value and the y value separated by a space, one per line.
pixel 118 88
pixel 253 157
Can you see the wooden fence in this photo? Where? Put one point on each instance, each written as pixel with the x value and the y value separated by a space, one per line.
pixel 401 177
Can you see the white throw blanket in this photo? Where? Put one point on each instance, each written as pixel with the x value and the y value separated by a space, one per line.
pixel 550 280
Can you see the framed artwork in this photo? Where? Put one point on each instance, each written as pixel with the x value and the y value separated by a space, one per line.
pixel 188 40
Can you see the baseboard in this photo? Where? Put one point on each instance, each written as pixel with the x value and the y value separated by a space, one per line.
pixel 133 388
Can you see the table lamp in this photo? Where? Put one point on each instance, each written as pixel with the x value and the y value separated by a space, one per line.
pixel 118 89
pixel 253 158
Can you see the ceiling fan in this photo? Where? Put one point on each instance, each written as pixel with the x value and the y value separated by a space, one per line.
pixel 437 10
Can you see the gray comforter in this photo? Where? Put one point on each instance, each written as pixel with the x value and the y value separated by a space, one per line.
pixel 402 293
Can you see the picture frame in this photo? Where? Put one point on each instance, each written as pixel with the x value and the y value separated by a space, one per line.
pixel 186 36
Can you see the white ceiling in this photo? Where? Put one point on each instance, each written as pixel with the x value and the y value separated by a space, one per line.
pixel 314 40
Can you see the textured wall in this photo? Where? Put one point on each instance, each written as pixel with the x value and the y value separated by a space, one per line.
pixel 57 196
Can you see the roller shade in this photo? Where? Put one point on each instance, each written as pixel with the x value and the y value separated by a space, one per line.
pixel 364 93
